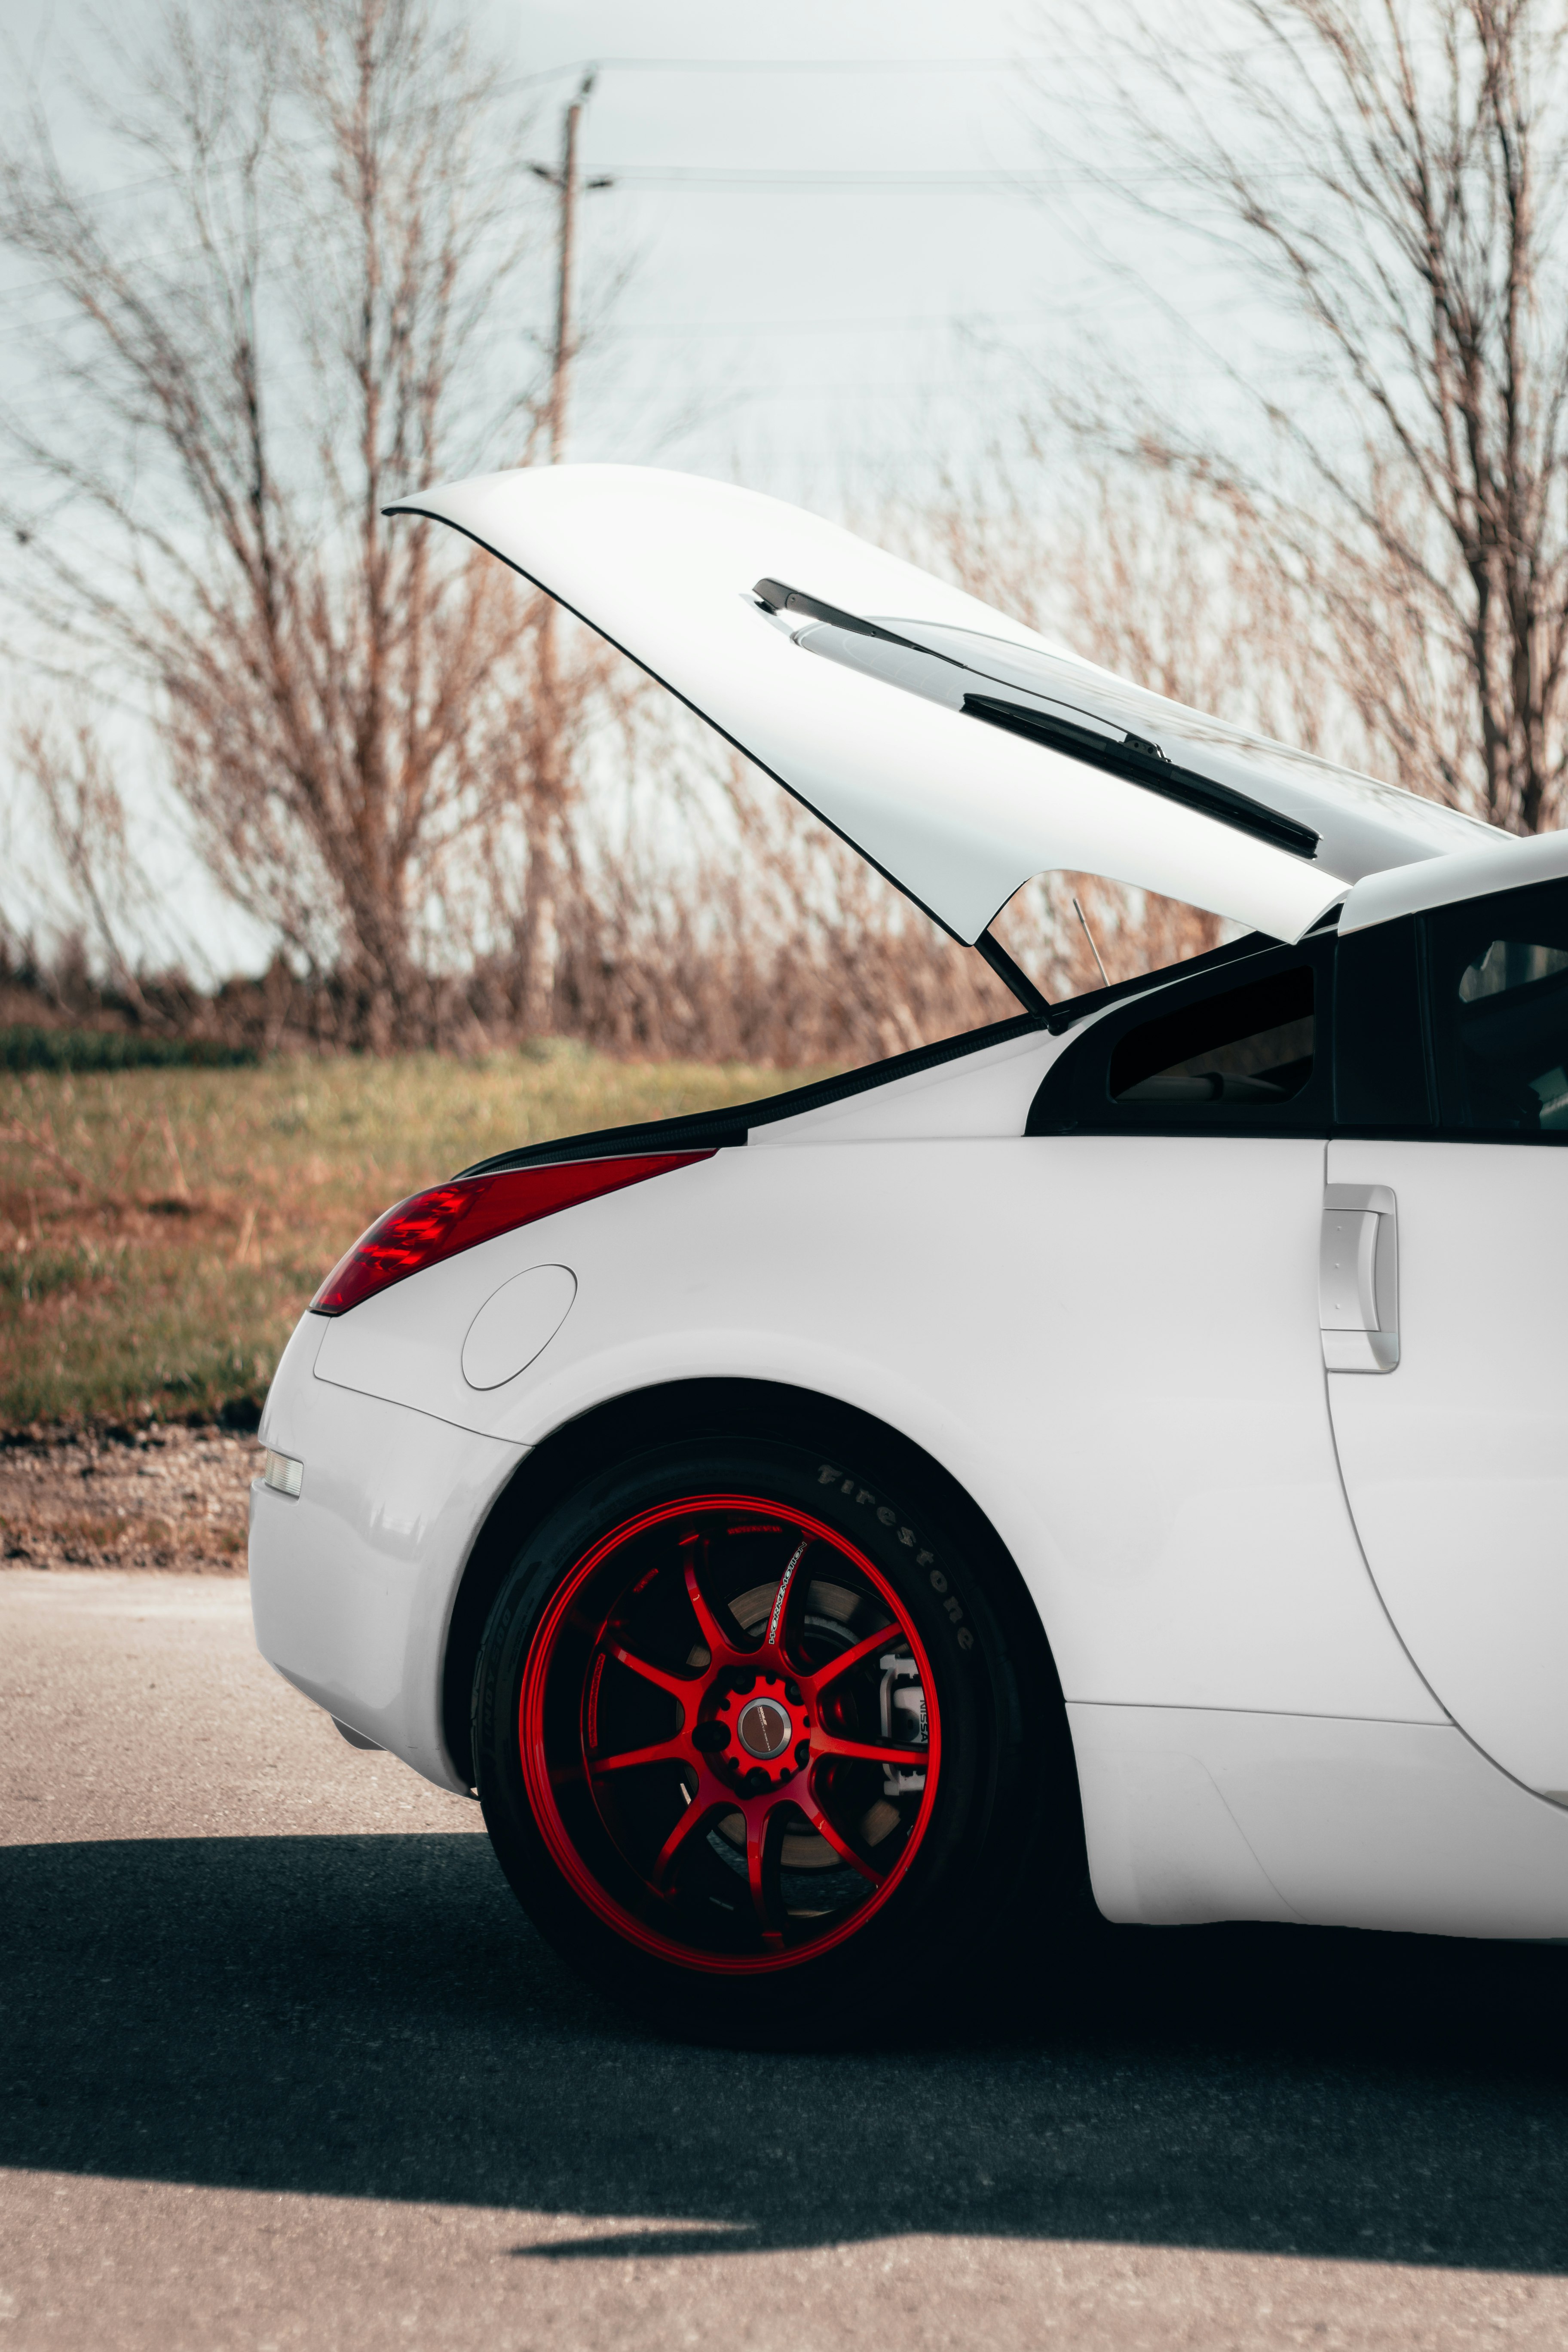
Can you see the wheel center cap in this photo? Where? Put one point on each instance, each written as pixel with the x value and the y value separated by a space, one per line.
pixel 764 1729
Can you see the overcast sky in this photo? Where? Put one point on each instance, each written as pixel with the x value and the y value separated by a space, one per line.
pixel 828 210
pixel 845 226
pixel 829 217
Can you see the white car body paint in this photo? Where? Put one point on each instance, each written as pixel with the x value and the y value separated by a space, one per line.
pixel 1111 1342
pixel 959 813
pixel 353 1582
pixel 1252 1738
pixel 516 1323
pixel 1468 873
pixel 1456 1466
pixel 987 1093
pixel 1198 1554
pixel 1197 1815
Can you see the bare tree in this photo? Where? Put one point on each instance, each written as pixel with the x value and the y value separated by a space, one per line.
pixel 85 817
pixel 310 296
pixel 1388 177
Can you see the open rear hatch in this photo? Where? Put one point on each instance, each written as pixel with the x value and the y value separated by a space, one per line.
pixel 959 751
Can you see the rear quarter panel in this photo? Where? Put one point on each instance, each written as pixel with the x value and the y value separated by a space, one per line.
pixel 1110 1343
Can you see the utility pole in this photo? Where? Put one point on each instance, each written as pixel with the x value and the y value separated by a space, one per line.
pixel 559 373
pixel 550 779
pixel 563 178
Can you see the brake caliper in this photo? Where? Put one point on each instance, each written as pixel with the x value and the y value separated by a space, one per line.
pixel 903 1703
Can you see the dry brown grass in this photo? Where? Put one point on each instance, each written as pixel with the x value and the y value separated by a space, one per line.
pixel 162 1230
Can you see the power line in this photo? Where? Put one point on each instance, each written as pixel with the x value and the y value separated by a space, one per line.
pixel 776 65
pixel 763 180
pixel 817 326
pixel 640 175
pixel 717 179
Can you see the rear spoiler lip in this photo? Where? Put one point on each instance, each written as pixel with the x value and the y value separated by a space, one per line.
pixel 721 1130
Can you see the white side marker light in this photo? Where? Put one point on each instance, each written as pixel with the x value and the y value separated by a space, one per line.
pixel 284 1477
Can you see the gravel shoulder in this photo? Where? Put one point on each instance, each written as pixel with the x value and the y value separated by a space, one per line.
pixel 165 1497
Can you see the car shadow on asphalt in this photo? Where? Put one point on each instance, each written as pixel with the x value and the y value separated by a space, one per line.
pixel 373 2017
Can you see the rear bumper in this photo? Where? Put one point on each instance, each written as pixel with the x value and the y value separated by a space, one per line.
pixel 352 1581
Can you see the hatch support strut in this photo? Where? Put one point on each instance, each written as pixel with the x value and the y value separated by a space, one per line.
pixel 1012 975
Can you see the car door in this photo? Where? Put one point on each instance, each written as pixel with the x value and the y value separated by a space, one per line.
pixel 1175 1201
pixel 1445 1301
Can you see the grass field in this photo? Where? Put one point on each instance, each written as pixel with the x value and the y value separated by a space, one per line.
pixel 161 1230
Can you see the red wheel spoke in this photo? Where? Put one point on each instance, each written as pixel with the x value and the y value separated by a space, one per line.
pixel 664 1751
pixel 870 1752
pixel 824 1828
pixel 656 1815
pixel 720 1643
pixel 697 1816
pixel 764 1840
pixel 822 1675
pixel 681 1686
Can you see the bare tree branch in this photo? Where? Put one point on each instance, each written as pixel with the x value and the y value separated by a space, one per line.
pixel 314 301
pixel 1388 175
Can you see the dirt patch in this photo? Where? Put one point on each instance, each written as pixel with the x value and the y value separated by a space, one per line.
pixel 170 1497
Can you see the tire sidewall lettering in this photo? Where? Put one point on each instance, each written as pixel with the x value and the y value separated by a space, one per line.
pixel 864 1499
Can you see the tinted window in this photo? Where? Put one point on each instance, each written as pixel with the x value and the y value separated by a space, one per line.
pixel 1249 1046
pixel 1219 1055
pixel 1380 1059
pixel 1497 995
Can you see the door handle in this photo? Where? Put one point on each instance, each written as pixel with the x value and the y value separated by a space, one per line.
pixel 1358 1279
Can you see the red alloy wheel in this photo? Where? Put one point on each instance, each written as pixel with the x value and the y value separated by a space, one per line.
pixel 730 1734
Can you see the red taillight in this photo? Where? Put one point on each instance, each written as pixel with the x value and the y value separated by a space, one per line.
pixel 429 1226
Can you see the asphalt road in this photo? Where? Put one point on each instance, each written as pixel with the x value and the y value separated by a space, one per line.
pixel 282 2063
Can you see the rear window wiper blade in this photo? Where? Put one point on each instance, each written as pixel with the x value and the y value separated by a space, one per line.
pixel 1141 762
pixel 1127 755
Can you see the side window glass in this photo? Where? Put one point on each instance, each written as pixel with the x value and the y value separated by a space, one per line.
pixel 1498 996
pixel 1380 1060
pixel 1249 1048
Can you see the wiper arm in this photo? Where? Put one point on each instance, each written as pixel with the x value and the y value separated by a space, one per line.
pixel 775 597
pixel 1144 763
pixel 1126 754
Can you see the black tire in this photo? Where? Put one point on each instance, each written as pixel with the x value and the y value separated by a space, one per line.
pixel 985 1822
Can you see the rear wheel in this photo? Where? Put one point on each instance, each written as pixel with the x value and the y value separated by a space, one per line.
pixel 750 1742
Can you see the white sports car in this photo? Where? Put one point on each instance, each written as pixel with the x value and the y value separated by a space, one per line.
pixel 1134 1428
